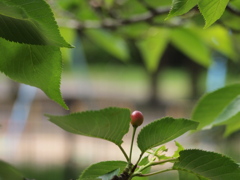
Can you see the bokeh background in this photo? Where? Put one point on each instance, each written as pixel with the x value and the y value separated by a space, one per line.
pixel 94 78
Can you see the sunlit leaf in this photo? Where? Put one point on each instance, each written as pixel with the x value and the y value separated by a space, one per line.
pixel 180 7
pixel 110 124
pixel 179 149
pixel 212 10
pixel 192 45
pixel 211 105
pixel 114 45
pixel 38 66
pixel 207 165
pixel 220 39
pixel 153 46
pixel 163 131
pixel 30 22
pixel 94 171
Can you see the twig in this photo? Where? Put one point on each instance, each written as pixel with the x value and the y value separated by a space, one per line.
pixel 111 23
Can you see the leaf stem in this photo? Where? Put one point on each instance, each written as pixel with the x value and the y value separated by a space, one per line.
pixel 151 174
pixel 124 153
pixel 130 154
pixel 156 163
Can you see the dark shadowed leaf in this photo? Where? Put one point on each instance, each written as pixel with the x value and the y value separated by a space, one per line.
pixel 29 22
pixel 94 171
pixel 110 175
pixel 7 172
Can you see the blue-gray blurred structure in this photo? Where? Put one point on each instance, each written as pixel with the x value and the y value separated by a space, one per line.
pixel 216 75
pixel 19 117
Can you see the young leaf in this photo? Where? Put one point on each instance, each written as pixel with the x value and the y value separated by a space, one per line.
pixel 29 22
pixel 114 45
pixel 162 131
pixel 211 105
pixel 180 7
pixel 38 66
pixel 153 47
pixel 180 148
pixel 7 172
pixel 94 171
pixel 208 165
pixel 110 124
pixel 191 44
pixel 212 10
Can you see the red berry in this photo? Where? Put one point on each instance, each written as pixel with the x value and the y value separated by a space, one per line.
pixel 136 118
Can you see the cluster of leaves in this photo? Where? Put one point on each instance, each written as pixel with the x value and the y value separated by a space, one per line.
pixel 30 45
pixel 191 164
pixel 155 24
pixel 30 53
pixel 112 124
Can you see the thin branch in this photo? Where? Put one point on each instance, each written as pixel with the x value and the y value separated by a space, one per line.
pixel 154 173
pixel 158 163
pixel 111 23
pixel 145 16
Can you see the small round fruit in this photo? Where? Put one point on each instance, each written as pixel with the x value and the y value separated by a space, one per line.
pixel 136 118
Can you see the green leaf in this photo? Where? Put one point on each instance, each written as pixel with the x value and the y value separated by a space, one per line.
pixel 110 175
pixel 191 44
pixel 38 66
pixel 232 124
pixel 94 171
pixel 7 172
pixel 143 162
pixel 211 105
pixel 111 43
pixel 110 124
pixel 180 148
pixel 30 22
pixel 153 46
pixel 188 176
pixel 180 7
pixel 232 109
pixel 220 39
pixel 207 165
pixel 163 131
pixel 212 10
pixel 109 3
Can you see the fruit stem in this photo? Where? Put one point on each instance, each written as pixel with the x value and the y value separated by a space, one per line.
pixel 130 156
pixel 124 153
